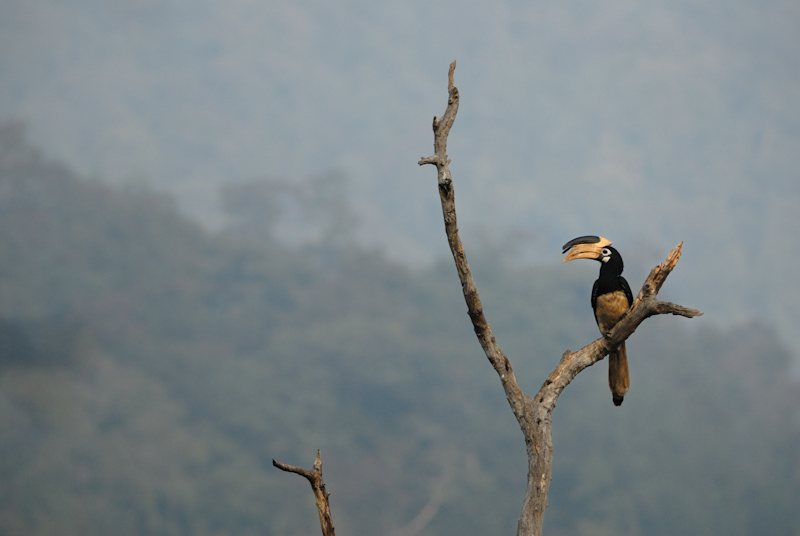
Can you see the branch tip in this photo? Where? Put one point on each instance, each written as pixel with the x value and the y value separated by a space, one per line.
pixel 318 463
pixel 674 255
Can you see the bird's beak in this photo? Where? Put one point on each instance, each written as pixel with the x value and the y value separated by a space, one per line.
pixel 585 247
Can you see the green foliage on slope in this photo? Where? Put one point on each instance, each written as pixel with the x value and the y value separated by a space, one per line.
pixel 149 373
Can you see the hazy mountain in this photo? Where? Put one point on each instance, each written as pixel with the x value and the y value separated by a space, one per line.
pixel 150 371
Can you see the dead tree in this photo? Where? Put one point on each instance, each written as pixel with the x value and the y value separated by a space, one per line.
pixel 533 413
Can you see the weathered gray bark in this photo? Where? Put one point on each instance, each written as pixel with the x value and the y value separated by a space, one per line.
pixel 533 413
pixel 314 477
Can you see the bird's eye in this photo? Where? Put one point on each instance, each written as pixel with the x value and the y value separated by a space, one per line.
pixel 606 252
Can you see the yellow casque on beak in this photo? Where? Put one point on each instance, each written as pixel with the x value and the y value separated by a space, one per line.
pixel 582 248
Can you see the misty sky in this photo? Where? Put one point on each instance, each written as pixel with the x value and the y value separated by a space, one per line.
pixel 646 122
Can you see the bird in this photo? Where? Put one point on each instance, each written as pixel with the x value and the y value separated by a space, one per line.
pixel 611 299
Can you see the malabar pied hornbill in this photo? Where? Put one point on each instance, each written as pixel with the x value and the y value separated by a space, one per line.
pixel 611 299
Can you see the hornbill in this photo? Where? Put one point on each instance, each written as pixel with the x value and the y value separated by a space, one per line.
pixel 611 299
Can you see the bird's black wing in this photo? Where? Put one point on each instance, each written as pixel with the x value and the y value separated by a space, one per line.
pixel 625 288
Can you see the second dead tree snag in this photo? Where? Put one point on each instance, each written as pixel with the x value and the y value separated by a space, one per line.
pixel 321 496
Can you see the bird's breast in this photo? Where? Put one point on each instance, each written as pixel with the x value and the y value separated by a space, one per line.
pixel 610 308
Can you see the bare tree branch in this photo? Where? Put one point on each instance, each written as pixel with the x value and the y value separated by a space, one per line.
pixel 314 476
pixel 533 414
pixel 441 129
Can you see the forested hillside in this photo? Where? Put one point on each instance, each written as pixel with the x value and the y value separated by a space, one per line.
pixel 150 372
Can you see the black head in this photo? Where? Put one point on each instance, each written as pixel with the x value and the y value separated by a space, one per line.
pixel 611 260
pixel 596 248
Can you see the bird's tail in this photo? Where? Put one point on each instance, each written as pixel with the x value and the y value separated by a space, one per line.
pixel 619 379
